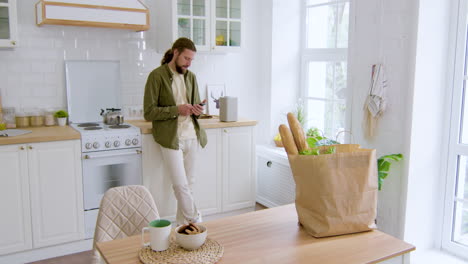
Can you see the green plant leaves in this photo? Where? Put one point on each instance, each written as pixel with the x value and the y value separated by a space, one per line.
pixel 383 166
pixel 61 114
pixel 314 140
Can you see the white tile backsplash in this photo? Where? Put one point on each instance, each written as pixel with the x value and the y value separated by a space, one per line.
pixel 43 50
pixel 32 74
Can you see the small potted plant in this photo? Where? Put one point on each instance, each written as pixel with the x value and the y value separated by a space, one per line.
pixel 61 116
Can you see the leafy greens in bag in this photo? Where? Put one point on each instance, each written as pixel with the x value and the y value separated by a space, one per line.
pixel 314 140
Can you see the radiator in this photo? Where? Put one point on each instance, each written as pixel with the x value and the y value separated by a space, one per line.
pixel 275 183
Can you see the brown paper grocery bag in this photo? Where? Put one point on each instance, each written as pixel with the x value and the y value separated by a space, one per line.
pixel 336 193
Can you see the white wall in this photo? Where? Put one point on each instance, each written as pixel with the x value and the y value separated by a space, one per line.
pixel 425 184
pixel 285 61
pixel 383 33
pixel 32 74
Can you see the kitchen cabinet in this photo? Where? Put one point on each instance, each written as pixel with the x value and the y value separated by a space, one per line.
pixel 128 14
pixel 238 168
pixel 8 23
pixel 42 195
pixel 14 200
pixel 225 178
pixel 213 25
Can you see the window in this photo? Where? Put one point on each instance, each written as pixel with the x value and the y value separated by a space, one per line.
pixel 455 235
pixel 324 64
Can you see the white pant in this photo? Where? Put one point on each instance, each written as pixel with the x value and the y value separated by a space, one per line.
pixel 181 166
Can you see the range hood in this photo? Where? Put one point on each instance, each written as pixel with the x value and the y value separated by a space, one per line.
pixel 124 14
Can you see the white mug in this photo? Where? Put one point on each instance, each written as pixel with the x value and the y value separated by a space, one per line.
pixel 160 231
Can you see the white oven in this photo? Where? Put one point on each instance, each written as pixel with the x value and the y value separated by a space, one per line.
pixel 103 170
pixel 111 154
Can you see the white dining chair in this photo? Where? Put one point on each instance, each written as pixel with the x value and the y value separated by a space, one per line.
pixel 123 212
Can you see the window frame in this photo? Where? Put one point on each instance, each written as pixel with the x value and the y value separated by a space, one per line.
pixel 458 86
pixel 325 55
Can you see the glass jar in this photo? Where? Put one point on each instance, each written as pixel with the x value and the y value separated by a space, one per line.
pixel 9 117
pixel 36 118
pixel 22 119
pixel 49 118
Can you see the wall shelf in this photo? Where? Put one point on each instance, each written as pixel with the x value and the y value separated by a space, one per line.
pixel 133 15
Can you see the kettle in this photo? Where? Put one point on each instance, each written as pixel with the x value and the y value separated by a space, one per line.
pixel 112 116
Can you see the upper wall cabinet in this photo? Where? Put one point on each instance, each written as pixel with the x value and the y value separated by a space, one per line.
pixel 124 14
pixel 213 25
pixel 8 23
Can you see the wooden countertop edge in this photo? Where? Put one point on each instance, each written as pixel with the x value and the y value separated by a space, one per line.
pixel 146 127
pixel 56 133
pixel 42 134
pixel 406 251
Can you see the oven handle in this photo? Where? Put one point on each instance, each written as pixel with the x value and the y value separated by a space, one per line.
pixel 132 152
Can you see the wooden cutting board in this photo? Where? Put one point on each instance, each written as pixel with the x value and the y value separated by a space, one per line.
pixel 13 132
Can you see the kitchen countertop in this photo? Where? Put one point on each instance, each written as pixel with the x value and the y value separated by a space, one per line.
pixel 42 134
pixel 58 133
pixel 146 126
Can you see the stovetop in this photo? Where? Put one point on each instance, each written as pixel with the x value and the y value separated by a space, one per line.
pixel 102 128
pixel 98 136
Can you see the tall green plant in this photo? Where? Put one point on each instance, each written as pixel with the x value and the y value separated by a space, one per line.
pixel 300 113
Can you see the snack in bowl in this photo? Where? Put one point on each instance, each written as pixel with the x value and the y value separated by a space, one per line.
pixel 191 236
pixel 190 229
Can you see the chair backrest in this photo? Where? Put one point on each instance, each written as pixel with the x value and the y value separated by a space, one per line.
pixel 123 212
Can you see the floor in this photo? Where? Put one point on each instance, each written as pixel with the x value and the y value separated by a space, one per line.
pixel 87 256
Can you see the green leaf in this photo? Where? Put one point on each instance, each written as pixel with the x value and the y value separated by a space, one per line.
pixel 330 150
pixel 313 151
pixel 383 166
pixel 311 142
pixel 313 132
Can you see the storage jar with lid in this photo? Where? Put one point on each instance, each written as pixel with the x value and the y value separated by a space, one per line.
pixel 22 119
pixel 9 117
pixel 49 118
pixel 36 118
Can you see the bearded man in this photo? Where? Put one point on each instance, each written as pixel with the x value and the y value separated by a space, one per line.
pixel 172 103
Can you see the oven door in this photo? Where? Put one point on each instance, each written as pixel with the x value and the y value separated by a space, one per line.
pixel 106 169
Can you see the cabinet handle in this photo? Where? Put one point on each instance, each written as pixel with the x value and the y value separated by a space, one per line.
pixel 22 148
pixel 225 130
pixel 269 163
pixel 139 151
pixel 13 42
pixel 30 147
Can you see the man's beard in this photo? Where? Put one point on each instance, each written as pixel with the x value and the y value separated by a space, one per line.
pixel 179 69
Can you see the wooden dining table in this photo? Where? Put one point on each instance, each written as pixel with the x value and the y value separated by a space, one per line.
pixel 274 236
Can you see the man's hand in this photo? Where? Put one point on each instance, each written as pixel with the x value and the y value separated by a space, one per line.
pixel 185 109
pixel 198 108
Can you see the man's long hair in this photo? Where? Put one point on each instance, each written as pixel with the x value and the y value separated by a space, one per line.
pixel 180 44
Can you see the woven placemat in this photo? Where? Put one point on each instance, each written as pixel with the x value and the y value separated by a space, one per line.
pixel 209 253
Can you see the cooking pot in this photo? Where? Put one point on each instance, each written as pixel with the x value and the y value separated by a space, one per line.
pixel 112 116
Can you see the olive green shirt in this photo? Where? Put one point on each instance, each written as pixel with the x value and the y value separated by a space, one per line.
pixel 160 107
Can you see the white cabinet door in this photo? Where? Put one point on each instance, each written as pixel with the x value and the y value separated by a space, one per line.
pixel 208 180
pixel 207 187
pixel 15 228
pixel 8 23
pixel 192 18
pixel 156 178
pixel 56 192
pixel 225 178
pixel 238 168
pixel 226 25
pixel 213 25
